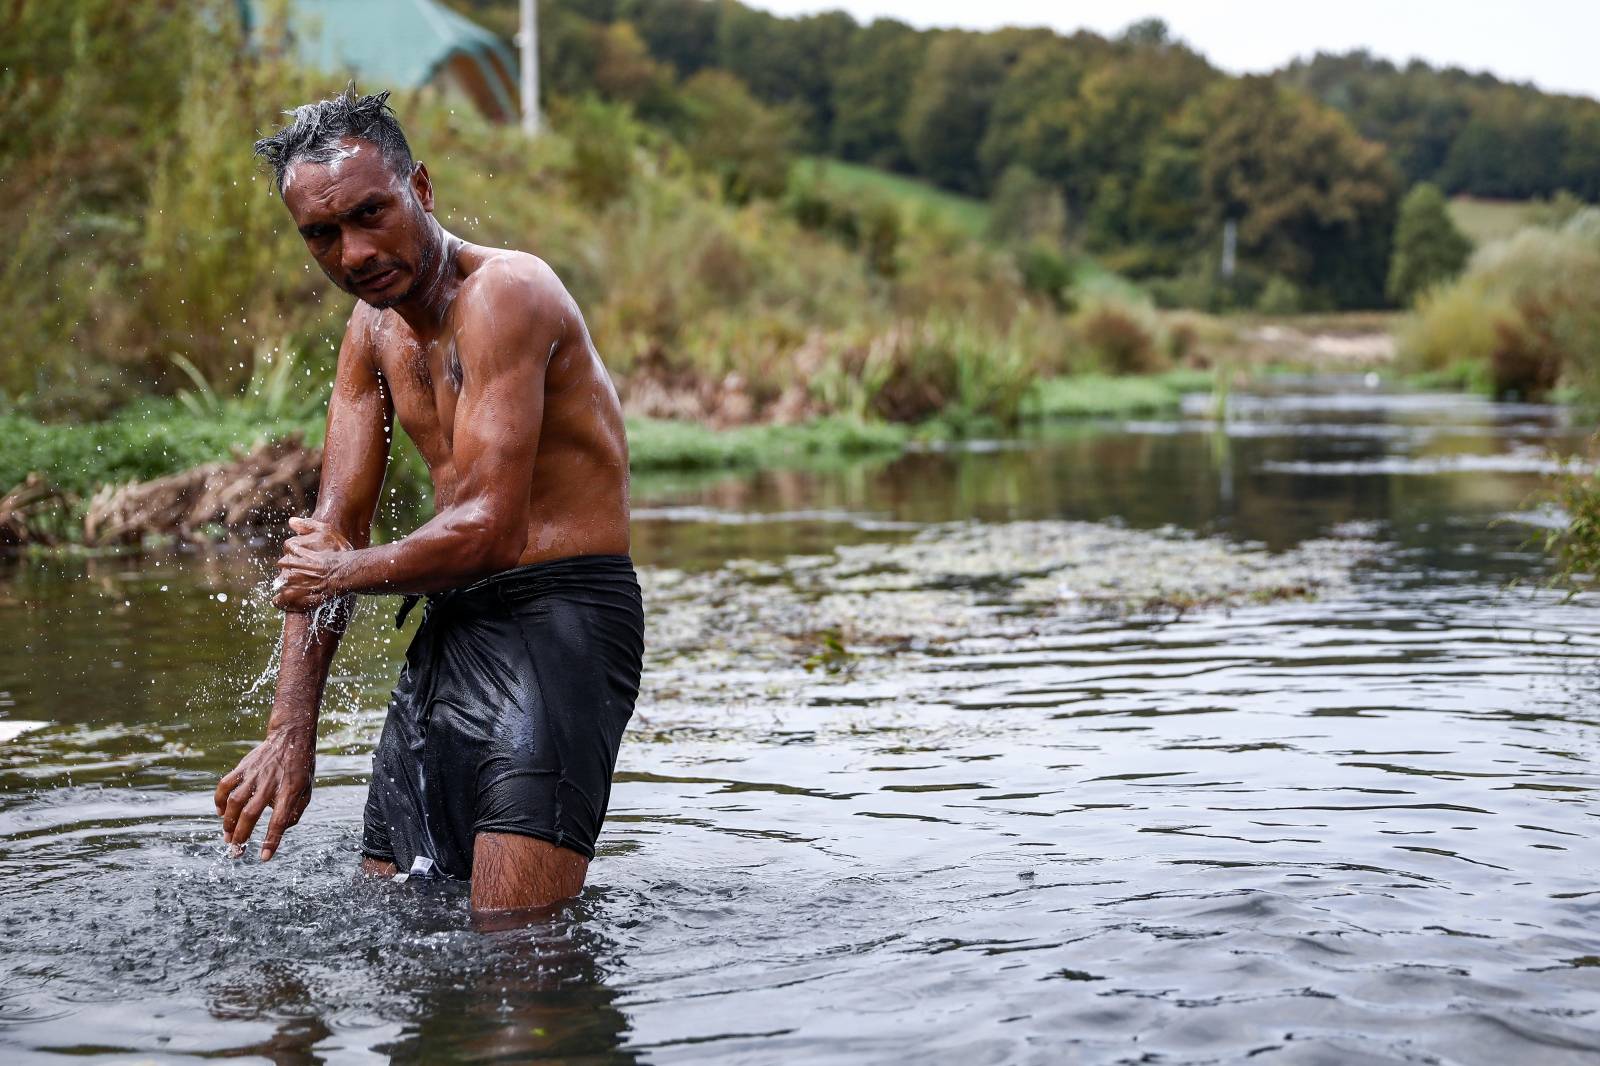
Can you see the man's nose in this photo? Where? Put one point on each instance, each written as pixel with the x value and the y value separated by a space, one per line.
pixel 355 252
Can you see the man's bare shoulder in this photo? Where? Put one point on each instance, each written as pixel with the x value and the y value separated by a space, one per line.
pixel 503 282
pixel 364 334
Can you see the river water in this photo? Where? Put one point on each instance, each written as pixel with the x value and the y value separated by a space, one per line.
pixel 1356 828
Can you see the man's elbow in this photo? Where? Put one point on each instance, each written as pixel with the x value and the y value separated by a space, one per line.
pixel 491 545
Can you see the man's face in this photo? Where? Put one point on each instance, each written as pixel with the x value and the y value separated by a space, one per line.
pixel 365 225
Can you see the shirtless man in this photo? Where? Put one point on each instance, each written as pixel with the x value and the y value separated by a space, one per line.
pixel 496 757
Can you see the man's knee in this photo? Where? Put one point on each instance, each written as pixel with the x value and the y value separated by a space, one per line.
pixel 514 874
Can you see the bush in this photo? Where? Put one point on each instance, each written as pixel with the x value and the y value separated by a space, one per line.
pixel 1280 297
pixel 1119 340
pixel 1528 308
pixel 1047 272
pixel 1025 209
pixel 747 145
pixel 1453 325
pixel 604 141
pixel 1526 361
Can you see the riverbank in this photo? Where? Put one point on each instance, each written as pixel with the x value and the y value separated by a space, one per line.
pixel 73 464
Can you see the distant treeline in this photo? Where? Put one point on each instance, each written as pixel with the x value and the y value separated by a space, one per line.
pixel 1151 150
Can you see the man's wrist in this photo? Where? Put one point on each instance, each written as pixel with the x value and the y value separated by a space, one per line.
pixel 293 725
pixel 344 575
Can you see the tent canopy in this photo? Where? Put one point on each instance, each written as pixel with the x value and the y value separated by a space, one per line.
pixel 403 44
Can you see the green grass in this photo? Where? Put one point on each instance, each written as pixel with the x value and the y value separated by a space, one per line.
pixel 161 437
pixel 967 214
pixel 657 444
pixel 1100 396
pixel 1488 220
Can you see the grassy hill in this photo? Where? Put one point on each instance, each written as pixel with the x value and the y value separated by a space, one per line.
pixel 1489 220
pixel 967 214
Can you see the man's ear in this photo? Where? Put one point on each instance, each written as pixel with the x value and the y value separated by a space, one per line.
pixel 422 187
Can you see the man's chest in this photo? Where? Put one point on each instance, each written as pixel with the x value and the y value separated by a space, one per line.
pixel 424 383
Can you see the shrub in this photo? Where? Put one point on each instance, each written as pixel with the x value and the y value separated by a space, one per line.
pixel 1453 325
pixel 744 143
pixel 1280 297
pixel 1047 272
pixel 1119 340
pixel 604 139
pixel 1526 361
pixel 1528 308
pixel 1026 209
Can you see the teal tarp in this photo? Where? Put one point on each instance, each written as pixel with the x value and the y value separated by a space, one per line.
pixel 397 44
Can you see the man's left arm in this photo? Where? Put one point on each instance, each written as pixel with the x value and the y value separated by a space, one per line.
pixel 511 321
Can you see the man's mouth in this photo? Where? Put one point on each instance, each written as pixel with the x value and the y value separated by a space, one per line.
pixel 379 280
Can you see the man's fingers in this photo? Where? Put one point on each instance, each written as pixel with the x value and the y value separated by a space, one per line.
pixel 305 525
pixel 284 815
pixel 234 807
pixel 225 786
pixel 249 816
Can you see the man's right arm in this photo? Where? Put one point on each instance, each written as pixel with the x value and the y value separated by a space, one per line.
pixel 278 772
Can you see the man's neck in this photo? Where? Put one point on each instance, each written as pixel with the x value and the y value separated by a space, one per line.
pixel 424 310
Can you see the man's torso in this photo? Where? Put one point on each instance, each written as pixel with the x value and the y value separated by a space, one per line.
pixel 578 494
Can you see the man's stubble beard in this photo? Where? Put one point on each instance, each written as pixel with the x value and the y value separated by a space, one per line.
pixel 428 264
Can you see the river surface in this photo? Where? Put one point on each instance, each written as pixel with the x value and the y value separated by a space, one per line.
pixel 1356 828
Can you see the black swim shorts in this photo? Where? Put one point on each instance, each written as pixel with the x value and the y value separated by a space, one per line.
pixel 508 714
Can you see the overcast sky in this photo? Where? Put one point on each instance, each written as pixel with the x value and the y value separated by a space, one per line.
pixel 1548 42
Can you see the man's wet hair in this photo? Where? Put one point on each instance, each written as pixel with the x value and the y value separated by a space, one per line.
pixel 317 130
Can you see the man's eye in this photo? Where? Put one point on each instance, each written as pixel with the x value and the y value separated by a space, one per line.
pixel 369 211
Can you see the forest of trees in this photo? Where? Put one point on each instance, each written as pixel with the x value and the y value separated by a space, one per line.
pixel 1151 149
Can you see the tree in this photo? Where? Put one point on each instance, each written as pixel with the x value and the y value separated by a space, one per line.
pixel 948 112
pixel 870 92
pixel 1313 202
pixel 1428 248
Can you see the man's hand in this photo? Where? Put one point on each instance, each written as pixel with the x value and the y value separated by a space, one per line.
pixel 277 773
pixel 306 571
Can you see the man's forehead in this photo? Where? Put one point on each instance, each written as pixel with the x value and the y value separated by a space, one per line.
pixel 356 172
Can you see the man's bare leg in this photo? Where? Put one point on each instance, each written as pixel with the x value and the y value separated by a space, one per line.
pixel 377 867
pixel 515 877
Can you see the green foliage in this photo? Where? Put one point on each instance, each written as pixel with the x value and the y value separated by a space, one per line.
pixel 927 206
pixel 655 444
pixel 870 91
pixel 948 112
pixel 871 224
pixel 1121 342
pixel 1575 547
pixel 1099 396
pixel 1469 133
pixel 1279 296
pixel 144 441
pixel 1428 248
pixel 1555 212
pixel 1312 201
pixel 1047 272
pixel 1454 326
pixel 747 145
pixel 1528 308
pixel 605 145
pixel 1027 210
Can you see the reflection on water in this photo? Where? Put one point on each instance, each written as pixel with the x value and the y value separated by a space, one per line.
pixel 1356 829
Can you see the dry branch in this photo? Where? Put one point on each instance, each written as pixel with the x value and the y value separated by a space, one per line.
pixel 256 493
pixel 35 512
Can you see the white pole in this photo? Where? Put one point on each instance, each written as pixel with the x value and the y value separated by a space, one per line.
pixel 529 40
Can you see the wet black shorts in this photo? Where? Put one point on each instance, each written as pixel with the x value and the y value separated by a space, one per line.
pixel 509 713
